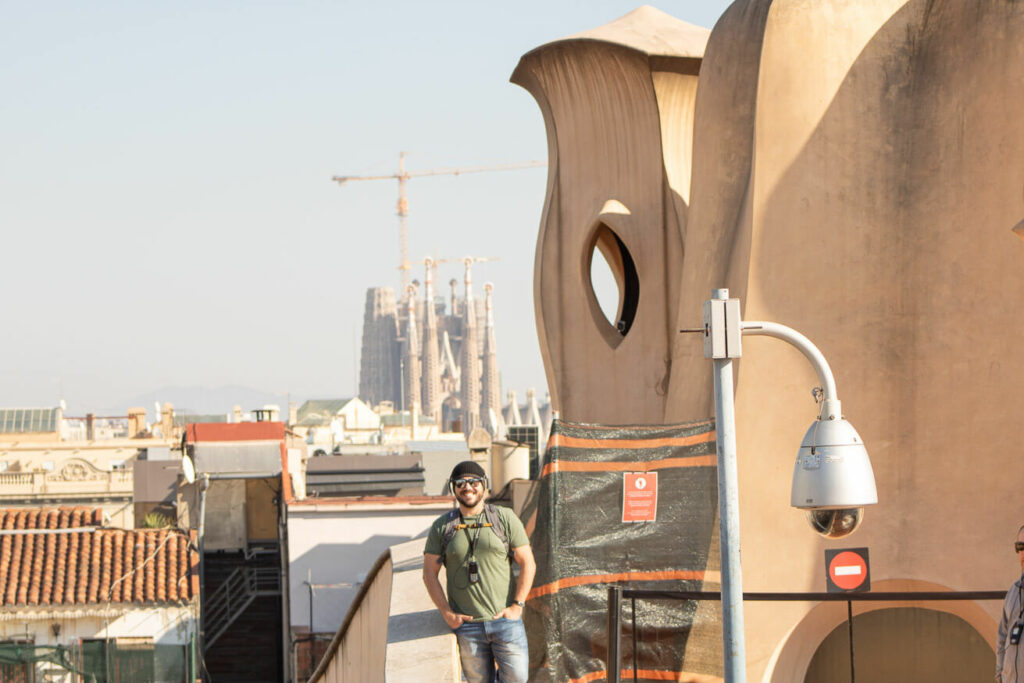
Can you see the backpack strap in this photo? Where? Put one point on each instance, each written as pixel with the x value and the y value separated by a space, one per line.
pixel 451 526
pixel 498 528
pixel 448 533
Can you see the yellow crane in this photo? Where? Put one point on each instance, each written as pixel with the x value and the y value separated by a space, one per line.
pixel 402 176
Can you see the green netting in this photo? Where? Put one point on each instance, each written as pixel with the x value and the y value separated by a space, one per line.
pixel 582 545
pixel 26 653
pixel 98 661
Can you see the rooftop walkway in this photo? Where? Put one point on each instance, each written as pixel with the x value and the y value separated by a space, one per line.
pixel 392 631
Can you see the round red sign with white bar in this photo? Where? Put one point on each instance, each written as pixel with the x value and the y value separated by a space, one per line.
pixel 848 570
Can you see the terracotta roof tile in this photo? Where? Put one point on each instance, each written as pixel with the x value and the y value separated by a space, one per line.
pixel 172 568
pixel 71 569
pixel 160 569
pixel 115 591
pixel 50 518
pixel 106 566
pixel 49 568
pixel 139 546
pixel 54 567
pixel 5 559
pixel 11 594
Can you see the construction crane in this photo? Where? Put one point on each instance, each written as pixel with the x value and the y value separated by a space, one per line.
pixel 402 176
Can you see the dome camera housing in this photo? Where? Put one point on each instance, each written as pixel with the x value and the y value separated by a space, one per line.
pixel 832 478
pixel 835 522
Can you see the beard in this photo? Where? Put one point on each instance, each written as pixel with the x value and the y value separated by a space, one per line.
pixel 468 498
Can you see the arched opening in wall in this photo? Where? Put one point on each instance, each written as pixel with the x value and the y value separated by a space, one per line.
pixel 904 644
pixel 614 285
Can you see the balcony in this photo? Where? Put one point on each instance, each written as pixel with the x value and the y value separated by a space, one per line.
pixel 72 479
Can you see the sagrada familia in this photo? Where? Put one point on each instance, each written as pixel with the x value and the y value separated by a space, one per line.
pixel 438 358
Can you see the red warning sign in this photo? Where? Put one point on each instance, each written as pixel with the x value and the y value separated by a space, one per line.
pixel 639 496
pixel 848 570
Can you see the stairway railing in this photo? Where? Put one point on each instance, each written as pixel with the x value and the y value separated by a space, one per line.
pixel 233 597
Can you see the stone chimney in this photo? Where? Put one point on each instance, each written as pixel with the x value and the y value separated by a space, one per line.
pixel 167 420
pixel 136 421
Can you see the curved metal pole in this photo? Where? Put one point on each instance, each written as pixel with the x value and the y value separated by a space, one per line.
pixel 830 405
pixel 722 331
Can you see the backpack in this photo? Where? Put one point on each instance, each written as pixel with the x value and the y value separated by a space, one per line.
pixel 453 524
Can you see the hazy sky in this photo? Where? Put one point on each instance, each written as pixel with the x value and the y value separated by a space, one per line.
pixel 166 207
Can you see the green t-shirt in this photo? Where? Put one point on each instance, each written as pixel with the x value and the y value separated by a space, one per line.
pixel 496 588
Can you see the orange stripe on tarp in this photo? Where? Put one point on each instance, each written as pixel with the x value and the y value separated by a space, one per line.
pixel 634 466
pixel 665 575
pixel 627 675
pixel 630 444
pixel 608 428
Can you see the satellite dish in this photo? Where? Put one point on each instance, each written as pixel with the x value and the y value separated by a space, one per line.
pixel 189 468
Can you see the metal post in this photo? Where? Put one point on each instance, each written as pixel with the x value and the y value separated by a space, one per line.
pixel 632 614
pixel 614 633
pixel 849 622
pixel 733 644
pixel 204 484
pixel 312 657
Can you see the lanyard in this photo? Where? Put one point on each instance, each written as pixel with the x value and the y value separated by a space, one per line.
pixel 472 539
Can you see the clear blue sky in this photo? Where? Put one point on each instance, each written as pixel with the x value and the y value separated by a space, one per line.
pixel 165 194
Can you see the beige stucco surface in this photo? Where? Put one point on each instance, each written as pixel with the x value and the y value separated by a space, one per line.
pixel 884 181
pixel 605 106
pixel 856 172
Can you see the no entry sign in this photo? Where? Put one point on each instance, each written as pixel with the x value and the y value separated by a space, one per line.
pixel 847 570
pixel 639 496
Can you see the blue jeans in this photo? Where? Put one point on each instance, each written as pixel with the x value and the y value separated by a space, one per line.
pixel 501 641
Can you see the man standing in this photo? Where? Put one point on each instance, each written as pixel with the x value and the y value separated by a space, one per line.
pixel 1009 660
pixel 477 544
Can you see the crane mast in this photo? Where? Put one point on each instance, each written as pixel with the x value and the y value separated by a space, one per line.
pixel 403 176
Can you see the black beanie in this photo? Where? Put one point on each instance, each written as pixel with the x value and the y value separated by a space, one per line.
pixel 468 467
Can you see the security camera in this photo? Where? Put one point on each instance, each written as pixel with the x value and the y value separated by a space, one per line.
pixel 832 478
pixel 835 522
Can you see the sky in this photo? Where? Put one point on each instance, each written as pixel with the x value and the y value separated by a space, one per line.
pixel 166 204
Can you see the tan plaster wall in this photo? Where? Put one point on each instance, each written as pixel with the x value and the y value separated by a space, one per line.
pixel 618 122
pixel 884 179
pixel 856 171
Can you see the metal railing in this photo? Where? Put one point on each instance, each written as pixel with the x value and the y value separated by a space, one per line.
pixel 233 596
pixel 617 593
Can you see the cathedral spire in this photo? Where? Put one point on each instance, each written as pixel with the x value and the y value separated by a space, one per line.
pixel 490 405
pixel 431 350
pixel 512 414
pixel 412 353
pixel 470 358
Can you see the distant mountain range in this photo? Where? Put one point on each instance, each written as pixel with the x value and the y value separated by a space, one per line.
pixel 209 400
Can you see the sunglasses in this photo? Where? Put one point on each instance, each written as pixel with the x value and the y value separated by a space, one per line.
pixel 468 481
pixel 1018 546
